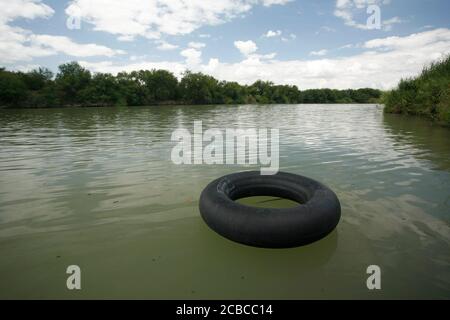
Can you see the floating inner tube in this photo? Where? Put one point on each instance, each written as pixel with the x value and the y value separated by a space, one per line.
pixel 317 214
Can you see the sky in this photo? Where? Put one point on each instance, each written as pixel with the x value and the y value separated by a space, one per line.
pixel 312 44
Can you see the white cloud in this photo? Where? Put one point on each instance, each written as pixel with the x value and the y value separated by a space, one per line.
pixel 193 56
pixel 125 38
pixel 292 36
pixel 255 56
pixel 387 24
pixel 383 63
pixel 246 47
pixel 152 18
pixel 319 53
pixel 15 45
pixel 411 42
pixel 346 10
pixel 267 56
pixel 136 58
pixel 196 45
pixel 28 9
pixel 268 3
pixel 165 46
pixel 271 34
pixel 349 46
pixel 108 66
pixel 26 67
pixel 18 44
pixel 60 44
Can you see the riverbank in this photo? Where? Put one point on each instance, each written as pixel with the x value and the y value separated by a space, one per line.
pixel 427 95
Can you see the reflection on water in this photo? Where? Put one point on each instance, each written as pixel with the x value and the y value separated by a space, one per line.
pixel 96 187
pixel 431 141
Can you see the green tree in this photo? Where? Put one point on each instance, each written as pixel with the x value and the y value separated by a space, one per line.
pixel 131 89
pixel 233 92
pixel 75 86
pixel 70 81
pixel 13 90
pixel 37 79
pixel 103 90
pixel 199 88
pixel 158 85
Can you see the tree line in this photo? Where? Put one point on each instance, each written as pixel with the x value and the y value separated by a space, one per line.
pixel 74 85
pixel 427 95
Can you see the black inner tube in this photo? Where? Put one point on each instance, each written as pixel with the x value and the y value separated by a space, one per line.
pixel 317 214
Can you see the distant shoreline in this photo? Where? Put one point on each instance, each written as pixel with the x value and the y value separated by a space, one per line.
pixel 74 85
pixel 181 104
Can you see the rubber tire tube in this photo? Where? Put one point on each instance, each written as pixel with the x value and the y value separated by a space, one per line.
pixel 317 214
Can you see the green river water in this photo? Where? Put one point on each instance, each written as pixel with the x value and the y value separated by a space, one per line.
pixel 96 187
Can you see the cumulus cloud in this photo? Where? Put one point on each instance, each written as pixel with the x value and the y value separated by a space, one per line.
pixel 268 3
pixel 382 64
pixel 28 9
pixel 319 53
pixel 196 45
pixel 25 67
pixel 411 42
pixel 15 45
pixel 266 56
pixel 60 44
pixel 246 47
pixel 152 18
pixel 193 56
pixel 18 44
pixel 108 66
pixel 271 34
pixel 165 46
pixel 388 24
pixel 291 36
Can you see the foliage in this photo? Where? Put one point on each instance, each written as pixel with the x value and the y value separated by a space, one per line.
pixel 427 95
pixel 71 82
pixel 76 86
pixel 13 91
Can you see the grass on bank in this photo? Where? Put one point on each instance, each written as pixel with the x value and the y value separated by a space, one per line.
pixel 427 95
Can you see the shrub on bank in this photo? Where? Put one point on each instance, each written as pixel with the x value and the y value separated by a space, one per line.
pixel 427 95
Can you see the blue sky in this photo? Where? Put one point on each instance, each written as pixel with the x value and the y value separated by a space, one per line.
pixel 320 43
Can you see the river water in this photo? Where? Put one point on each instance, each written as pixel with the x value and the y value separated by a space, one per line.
pixel 96 188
